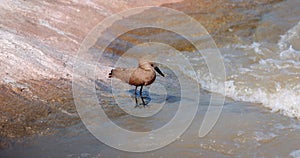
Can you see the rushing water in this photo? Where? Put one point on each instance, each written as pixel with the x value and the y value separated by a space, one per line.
pixel 262 72
pixel 267 70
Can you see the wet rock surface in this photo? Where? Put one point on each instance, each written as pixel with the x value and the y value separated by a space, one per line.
pixel 227 21
pixel 40 109
pixel 38 44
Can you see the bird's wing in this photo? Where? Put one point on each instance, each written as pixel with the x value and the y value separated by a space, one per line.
pixel 122 73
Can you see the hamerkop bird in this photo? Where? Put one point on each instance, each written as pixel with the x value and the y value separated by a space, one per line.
pixel 143 75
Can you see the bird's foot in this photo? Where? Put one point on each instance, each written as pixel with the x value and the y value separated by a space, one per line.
pixel 141 105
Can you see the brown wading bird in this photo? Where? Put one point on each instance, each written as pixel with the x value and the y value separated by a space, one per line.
pixel 143 75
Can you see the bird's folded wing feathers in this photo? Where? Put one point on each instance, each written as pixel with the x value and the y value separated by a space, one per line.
pixel 122 73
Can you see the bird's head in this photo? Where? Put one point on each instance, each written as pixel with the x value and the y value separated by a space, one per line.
pixel 147 65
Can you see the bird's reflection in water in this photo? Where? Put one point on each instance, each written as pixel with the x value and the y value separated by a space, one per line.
pixel 146 98
pixel 141 100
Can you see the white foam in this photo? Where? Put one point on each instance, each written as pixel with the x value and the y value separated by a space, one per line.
pixel 290 53
pixel 285 101
pixel 261 136
pixel 285 39
pixel 295 154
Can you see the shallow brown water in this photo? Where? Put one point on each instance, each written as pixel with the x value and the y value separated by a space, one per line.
pixel 243 130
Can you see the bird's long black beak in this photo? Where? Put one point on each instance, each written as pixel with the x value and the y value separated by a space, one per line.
pixel 158 71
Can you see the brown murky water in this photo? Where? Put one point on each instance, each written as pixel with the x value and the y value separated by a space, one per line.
pixel 243 130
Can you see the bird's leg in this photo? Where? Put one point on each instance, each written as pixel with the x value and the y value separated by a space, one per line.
pixel 141 91
pixel 135 90
pixel 144 104
pixel 136 102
